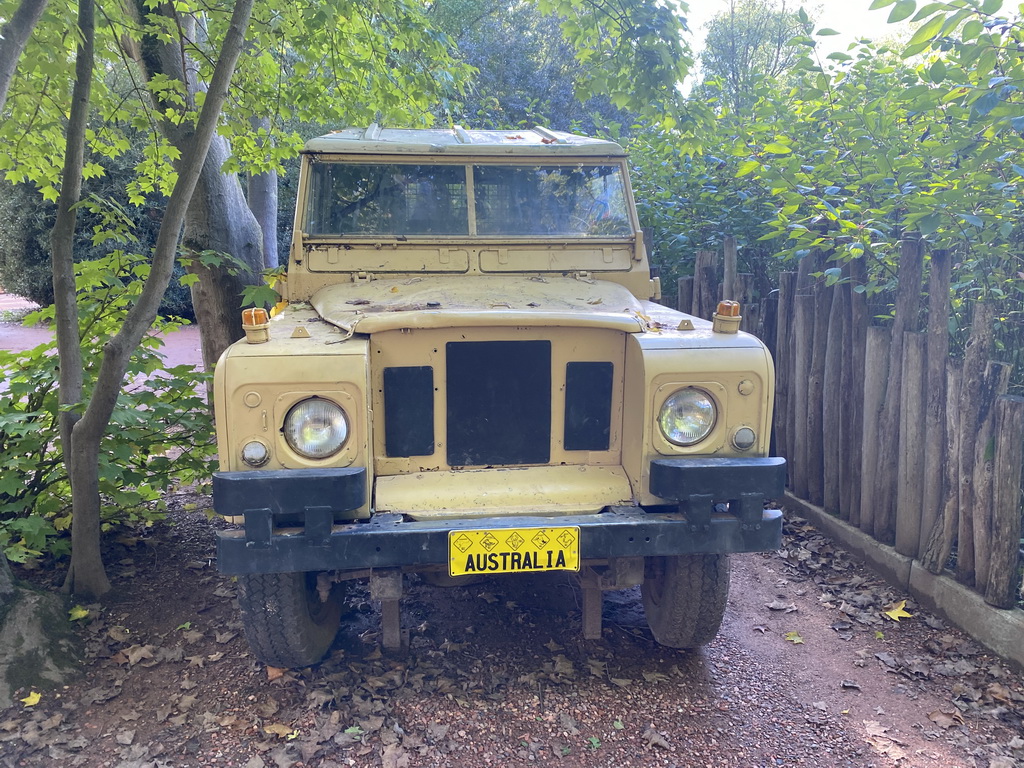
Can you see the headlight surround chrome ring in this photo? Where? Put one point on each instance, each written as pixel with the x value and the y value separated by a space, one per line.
pixel 255 453
pixel 316 428
pixel 687 416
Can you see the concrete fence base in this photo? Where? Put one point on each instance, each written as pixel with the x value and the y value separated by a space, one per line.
pixel 1002 631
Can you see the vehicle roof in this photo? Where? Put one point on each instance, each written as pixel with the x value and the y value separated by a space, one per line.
pixel 460 141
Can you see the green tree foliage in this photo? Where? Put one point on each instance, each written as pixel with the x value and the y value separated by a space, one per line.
pixel 25 239
pixel 751 41
pixel 631 51
pixel 526 72
pixel 161 436
pixel 335 63
pixel 868 146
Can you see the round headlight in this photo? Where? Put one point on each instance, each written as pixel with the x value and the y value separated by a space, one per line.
pixel 687 416
pixel 315 428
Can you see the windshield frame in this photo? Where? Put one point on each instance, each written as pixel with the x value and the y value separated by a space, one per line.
pixel 626 230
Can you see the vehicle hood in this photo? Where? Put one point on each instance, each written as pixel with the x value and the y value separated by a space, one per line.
pixel 479 300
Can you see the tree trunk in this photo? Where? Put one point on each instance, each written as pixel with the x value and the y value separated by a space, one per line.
pixel 89 430
pixel 13 38
pixel 218 217
pixel 6 579
pixel 86 575
pixel 263 204
pixel 261 193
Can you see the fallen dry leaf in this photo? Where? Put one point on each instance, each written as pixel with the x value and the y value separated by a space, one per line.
pixel 279 729
pixel 945 720
pixel 655 738
pixel 896 612
pixel 273 673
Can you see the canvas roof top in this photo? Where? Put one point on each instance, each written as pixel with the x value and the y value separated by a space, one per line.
pixel 460 141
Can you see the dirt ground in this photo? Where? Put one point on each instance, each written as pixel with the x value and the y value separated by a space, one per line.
pixel 807 671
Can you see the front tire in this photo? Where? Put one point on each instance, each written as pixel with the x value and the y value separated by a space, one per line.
pixel 684 598
pixel 286 622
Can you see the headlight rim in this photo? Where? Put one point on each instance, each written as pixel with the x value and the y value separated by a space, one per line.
pixel 294 444
pixel 707 431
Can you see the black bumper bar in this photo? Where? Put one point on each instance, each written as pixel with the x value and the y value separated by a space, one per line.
pixel 737 524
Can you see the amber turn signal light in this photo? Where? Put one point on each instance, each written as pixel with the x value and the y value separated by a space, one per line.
pixel 727 318
pixel 255 323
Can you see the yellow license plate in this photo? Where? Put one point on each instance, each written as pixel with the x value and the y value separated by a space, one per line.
pixel 513 550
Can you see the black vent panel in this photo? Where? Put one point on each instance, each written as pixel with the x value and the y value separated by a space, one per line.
pixel 588 406
pixel 409 411
pixel 499 402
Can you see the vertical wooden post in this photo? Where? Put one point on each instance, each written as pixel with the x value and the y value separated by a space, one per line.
pixel 852 411
pixel 684 295
pixel 832 394
pixel 910 490
pixel 767 321
pixel 876 371
pixel 997 378
pixel 705 284
pixel 815 460
pixel 803 338
pixel 1006 509
pixel 979 348
pixel 944 530
pixel 908 294
pixel 748 300
pixel 784 363
pixel 936 358
pixel 730 283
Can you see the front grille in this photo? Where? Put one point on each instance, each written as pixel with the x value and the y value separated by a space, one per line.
pixel 588 406
pixel 498 402
pixel 409 411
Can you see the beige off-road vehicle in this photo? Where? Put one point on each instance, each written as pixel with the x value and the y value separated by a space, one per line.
pixel 471 378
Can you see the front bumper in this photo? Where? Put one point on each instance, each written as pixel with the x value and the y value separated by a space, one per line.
pixel 720 510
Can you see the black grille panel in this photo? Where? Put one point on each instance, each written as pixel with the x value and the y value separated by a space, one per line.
pixel 588 406
pixel 499 402
pixel 409 411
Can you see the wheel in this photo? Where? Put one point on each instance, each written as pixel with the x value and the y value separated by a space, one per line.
pixel 684 598
pixel 286 622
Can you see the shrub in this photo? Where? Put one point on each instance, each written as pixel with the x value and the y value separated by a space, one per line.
pixel 161 432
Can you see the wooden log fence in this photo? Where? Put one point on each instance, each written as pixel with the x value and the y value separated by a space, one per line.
pixel 879 424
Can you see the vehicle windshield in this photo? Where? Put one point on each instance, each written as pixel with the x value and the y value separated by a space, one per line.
pixel 411 200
